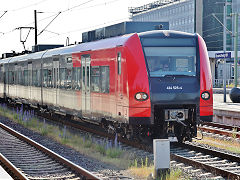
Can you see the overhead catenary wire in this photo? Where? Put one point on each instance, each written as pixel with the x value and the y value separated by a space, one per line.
pixel 49 23
pixel 30 5
pixel 85 28
pixel 3 14
pixel 75 7
pixel 66 10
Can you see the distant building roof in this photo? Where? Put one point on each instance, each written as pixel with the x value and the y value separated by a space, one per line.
pixel 146 7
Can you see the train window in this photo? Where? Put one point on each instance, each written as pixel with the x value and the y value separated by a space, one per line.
pixel 19 76
pixel 45 77
pixel 119 62
pixel 30 77
pixel 95 79
pixel 171 61
pixel 11 77
pixel 25 75
pixel 105 79
pixel 68 83
pixel 69 59
pixel 74 78
pixel 34 77
pixel 49 78
pixel 62 77
pixel 1 74
pixel 15 77
pixel 79 78
pixel 88 78
pixel 83 76
pixel 39 78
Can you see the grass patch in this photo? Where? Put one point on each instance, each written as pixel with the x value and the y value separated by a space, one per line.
pixel 145 172
pixel 107 151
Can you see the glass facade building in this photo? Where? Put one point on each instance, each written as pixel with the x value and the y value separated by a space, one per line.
pixel 212 29
pixel 236 9
pixel 182 17
pixel 179 14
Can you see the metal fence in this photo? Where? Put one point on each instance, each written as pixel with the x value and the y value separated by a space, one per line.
pixel 219 83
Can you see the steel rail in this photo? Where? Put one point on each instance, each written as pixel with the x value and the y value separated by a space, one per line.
pixel 212 169
pixel 79 170
pixel 226 130
pixel 224 126
pixel 18 174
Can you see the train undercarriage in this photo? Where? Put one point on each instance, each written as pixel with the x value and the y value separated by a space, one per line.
pixel 174 124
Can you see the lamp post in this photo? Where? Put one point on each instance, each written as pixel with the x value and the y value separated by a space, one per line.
pixel 235 48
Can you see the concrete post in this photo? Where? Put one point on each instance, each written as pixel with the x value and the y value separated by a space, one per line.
pixel 161 151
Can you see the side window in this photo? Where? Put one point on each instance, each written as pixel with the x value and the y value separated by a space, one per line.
pixel 76 73
pixel 45 76
pixel 49 77
pixel 68 84
pixel 39 80
pixel 34 76
pixel 19 77
pixel 105 79
pixel 1 74
pixel 95 79
pixel 15 76
pixel 79 73
pixel 62 77
pixel 11 77
pixel 25 75
pixel 119 59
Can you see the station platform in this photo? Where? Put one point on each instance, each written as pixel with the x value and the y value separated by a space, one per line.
pixel 226 113
pixel 218 101
pixel 4 175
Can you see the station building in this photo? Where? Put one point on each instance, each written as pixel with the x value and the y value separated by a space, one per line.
pixel 202 17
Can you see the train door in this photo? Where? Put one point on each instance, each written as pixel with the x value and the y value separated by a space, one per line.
pixel 56 79
pixel 30 94
pixel 4 83
pixel 86 94
pixel 120 103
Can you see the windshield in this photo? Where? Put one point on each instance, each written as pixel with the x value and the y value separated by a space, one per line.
pixel 171 61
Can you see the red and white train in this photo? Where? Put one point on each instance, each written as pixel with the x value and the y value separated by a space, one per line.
pixel 156 83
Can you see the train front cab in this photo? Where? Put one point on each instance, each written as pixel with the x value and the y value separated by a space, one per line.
pixel 179 78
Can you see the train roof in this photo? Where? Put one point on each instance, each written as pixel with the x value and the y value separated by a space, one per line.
pixel 89 46
pixel 96 45
pixel 165 33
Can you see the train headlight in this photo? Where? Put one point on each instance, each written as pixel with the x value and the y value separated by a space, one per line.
pixel 141 96
pixel 205 95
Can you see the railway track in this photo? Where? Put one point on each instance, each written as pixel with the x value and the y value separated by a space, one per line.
pixel 218 163
pixel 215 163
pixel 221 129
pixel 27 159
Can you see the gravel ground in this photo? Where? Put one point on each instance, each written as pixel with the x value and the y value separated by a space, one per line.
pixel 104 170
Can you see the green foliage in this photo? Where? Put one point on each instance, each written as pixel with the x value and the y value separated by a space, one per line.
pixel 135 163
pixel 146 161
pixel 234 132
pixel 101 149
pixel 114 152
